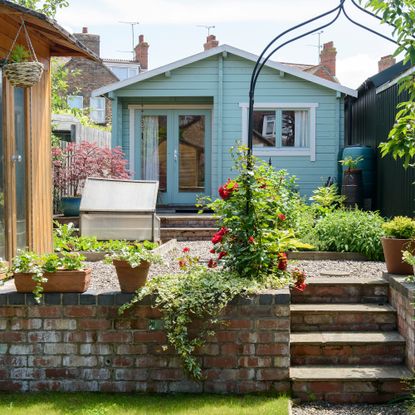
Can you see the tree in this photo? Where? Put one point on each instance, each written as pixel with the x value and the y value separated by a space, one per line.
pixel 400 14
pixel 48 7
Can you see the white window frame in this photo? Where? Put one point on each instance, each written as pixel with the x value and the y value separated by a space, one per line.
pixel 97 110
pixel 278 151
pixel 68 98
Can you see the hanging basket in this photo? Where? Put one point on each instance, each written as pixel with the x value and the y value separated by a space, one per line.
pixel 23 74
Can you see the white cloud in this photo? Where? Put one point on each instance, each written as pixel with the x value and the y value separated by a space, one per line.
pixel 352 71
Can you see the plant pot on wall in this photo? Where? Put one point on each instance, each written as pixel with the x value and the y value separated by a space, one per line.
pixel 23 74
pixel 71 205
pixel 130 278
pixel 393 249
pixel 58 282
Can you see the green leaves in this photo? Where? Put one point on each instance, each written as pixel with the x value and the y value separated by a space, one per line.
pixel 400 227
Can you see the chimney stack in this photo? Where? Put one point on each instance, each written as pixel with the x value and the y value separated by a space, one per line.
pixel 328 57
pixel 141 53
pixel 92 42
pixel 386 62
pixel 211 42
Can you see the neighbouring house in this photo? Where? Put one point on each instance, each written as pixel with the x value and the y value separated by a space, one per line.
pixel 25 149
pixel 369 118
pixel 86 75
pixel 177 123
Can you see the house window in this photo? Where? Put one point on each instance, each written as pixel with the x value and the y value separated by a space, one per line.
pixel 282 129
pixel 97 110
pixel 75 102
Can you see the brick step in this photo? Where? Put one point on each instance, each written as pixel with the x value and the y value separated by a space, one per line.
pixel 342 317
pixel 187 234
pixel 349 384
pixel 342 290
pixel 347 348
pixel 187 221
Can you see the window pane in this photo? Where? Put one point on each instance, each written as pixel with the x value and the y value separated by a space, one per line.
pixel 264 129
pixel 154 149
pixel 76 101
pixel 97 109
pixel 192 153
pixel 120 73
pixel 288 129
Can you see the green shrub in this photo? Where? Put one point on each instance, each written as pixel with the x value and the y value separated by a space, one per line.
pixel 400 227
pixel 351 231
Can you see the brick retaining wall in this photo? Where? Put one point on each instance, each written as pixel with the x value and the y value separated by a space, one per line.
pixel 76 342
pixel 402 297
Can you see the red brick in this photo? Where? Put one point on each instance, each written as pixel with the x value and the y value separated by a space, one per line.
pixel 80 337
pixel 114 337
pixel 325 387
pixel 12 312
pixel 120 361
pixel 305 350
pixel 11 386
pixel 167 374
pixel 226 336
pixel 272 349
pixel 79 311
pixel 135 349
pixel 148 337
pixel 94 324
pixel 221 362
pixel 231 348
pixel 394 386
pixel 152 361
pixel 272 374
pixel 147 312
pixel 239 324
pixel 248 361
pixel 26 324
pixel 274 324
pixel 253 387
pixel 12 337
pixel 45 311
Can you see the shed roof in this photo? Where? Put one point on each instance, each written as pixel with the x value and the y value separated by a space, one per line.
pixel 215 51
pixel 61 42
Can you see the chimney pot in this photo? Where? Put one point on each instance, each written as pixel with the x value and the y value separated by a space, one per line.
pixel 141 53
pixel 386 62
pixel 211 42
pixel 84 30
pixel 328 57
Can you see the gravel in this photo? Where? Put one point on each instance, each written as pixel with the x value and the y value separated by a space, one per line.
pixel 360 409
pixel 104 277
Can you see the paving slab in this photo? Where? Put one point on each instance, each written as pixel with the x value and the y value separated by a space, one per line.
pixel 346 337
pixel 330 307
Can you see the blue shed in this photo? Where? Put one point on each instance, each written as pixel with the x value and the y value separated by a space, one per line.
pixel 177 123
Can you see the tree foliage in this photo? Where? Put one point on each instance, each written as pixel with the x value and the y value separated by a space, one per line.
pixel 400 14
pixel 47 7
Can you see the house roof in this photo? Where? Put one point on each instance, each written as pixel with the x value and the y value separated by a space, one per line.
pixel 61 42
pixel 215 51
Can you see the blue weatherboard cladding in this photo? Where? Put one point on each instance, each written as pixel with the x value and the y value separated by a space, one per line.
pixel 223 80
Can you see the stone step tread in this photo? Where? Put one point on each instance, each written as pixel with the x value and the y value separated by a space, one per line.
pixel 345 281
pixel 348 338
pixel 188 229
pixel 187 216
pixel 346 308
pixel 349 373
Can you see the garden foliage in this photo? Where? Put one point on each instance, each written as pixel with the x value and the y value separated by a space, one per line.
pixel 351 231
pixel 73 164
pixel 400 227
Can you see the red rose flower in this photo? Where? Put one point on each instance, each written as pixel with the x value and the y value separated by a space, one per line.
pixel 251 240
pixel 186 249
pixel 221 255
pixel 281 217
pixel 223 193
pixel 226 190
pixel 212 263
pixel 217 237
pixel 182 263
pixel 282 261
pixel 300 287
pixel 212 251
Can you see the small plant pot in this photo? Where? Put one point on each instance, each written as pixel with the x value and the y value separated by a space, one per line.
pixel 71 205
pixel 130 278
pixel 58 282
pixel 393 249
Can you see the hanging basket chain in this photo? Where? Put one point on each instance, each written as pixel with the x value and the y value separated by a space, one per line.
pixel 23 74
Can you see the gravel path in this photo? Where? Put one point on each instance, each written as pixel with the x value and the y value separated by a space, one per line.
pixel 105 279
pixel 361 409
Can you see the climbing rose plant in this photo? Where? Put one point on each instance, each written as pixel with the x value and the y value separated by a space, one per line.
pixel 75 163
pixel 252 242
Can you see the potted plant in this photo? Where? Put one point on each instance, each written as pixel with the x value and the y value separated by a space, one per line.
pixel 4 269
pixel 132 263
pixel 20 69
pixel 50 273
pixel 399 234
pixel 352 187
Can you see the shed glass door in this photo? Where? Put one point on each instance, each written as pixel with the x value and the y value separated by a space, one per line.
pixel 173 149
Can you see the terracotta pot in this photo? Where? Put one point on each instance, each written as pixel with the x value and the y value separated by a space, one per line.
pixel 393 248
pixel 131 278
pixel 58 282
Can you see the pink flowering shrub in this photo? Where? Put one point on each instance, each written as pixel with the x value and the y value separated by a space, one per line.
pixel 75 163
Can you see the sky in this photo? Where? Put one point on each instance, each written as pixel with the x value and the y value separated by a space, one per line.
pixel 171 27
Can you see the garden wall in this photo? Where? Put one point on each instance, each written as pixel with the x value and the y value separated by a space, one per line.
pixel 76 342
pixel 402 297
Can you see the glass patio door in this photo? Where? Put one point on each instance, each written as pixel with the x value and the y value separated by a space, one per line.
pixel 174 149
